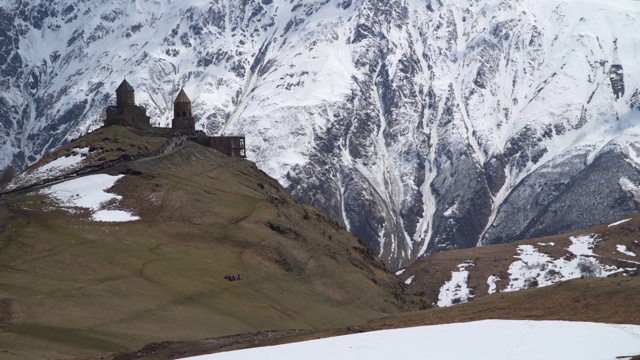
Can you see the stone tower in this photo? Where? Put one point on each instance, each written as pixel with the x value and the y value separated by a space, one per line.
pixel 124 95
pixel 182 119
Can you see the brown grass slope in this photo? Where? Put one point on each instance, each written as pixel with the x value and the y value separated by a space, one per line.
pixel 70 286
pixel 609 300
pixel 433 271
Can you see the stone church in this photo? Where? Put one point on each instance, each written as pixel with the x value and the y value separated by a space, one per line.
pixel 127 113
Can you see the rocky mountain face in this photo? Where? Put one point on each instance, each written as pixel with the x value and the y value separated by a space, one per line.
pixel 421 125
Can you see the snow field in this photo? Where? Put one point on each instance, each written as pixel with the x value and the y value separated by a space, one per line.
pixel 62 163
pixel 90 192
pixel 488 339
pixel 583 245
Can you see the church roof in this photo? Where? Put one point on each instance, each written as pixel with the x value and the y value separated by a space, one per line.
pixel 182 97
pixel 124 86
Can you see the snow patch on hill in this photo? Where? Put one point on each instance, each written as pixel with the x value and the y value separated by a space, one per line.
pixel 90 192
pixel 623 249
pixel 536 269
pixel 618 222
pixel 583 245
pixel 409 280
pixel 492 282
pixel 456 290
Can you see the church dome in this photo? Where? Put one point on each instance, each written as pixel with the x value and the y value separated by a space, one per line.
pixel 182 97
pixel 124 86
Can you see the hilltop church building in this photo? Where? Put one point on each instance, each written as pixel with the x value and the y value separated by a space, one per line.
pixel 127 113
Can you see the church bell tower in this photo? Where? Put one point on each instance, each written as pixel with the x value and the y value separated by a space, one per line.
pixel 124 95
pixel 182 118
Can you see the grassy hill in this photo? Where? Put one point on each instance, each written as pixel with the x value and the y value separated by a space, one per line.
pixel 71 286
pixel 610 300
pixel 154 288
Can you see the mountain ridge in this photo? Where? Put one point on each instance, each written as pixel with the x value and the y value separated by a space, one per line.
pixel 441 118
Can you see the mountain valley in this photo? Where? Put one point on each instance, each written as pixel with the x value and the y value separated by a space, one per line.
pixel 409 163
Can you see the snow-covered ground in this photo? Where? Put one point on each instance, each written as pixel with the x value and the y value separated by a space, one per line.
pixel 90 192
pixel 488 339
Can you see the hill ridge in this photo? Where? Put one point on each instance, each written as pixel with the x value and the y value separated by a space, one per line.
pixel 199 215
pixel 466 274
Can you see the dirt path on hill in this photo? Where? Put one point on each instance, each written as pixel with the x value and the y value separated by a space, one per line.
pixel 174 144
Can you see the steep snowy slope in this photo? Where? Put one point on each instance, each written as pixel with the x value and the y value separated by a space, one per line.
pixel 421 125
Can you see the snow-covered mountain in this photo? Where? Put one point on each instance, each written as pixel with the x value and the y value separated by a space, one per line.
pixel 421 125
